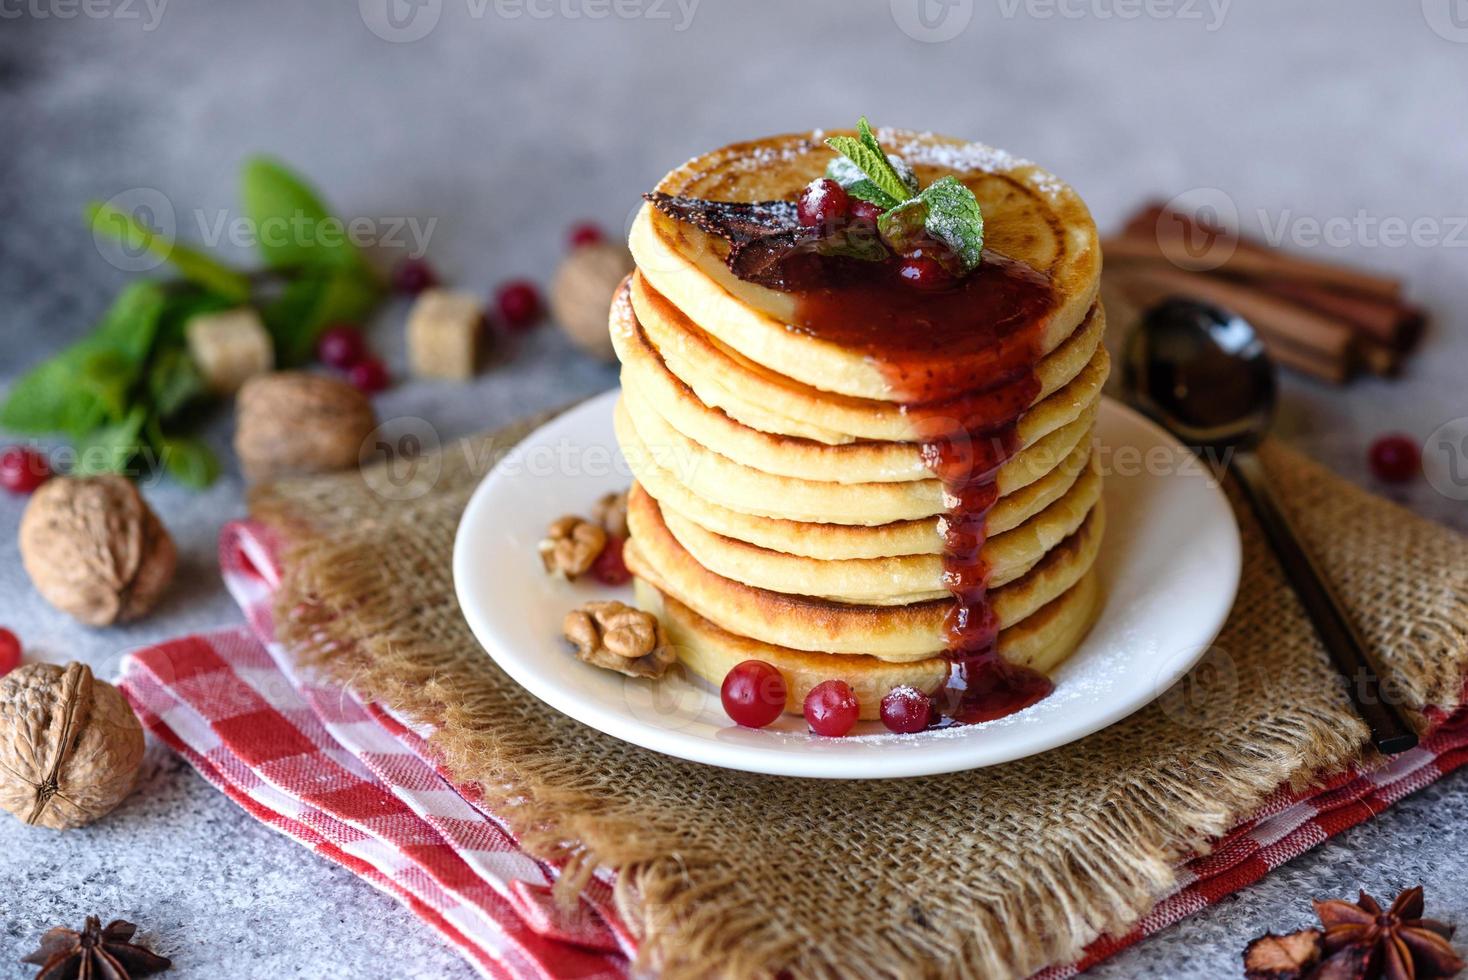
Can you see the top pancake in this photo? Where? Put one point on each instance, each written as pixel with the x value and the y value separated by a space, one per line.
pixel 1029 215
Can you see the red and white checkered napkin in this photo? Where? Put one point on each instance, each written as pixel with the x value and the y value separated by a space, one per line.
pixel 355 784
pixel 360 787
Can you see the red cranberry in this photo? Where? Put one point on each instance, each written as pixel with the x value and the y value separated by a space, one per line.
pixel 906 710
pixel 610 567
pixel 822 203
pixel 922 272
pixel 586 233
pixel 831 708
pixel 519 304
pixel 1395 458
pixel 23 469
pixel 753 693
pixel 865 210
pixel 9 651
pixel 341 347
pixel 369 375
pixel 412 276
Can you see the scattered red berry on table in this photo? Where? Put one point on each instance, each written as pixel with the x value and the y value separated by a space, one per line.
pixel 585 233
pixel 341 347
pixel 831 708
pixel 1395 458
pixel 753 693
pixel 610 567
pixel 369 375
pixel 9 651
pixel 412 276
pixel 865 210
pixel 519 303
pixel 823 203
pixel 23 469
pixel 923 272
pixel 906 710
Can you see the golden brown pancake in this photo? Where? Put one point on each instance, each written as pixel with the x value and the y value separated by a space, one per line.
pixel 894 633
pixel 1040 642
pixel 1029 215
pixel 643 323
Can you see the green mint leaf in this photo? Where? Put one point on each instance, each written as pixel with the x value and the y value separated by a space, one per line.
pixel 874 164
pixel 292 225
pixel 110 448
pixel 954 218
pixel 191 263
pixel 308 305
pixel 173 382
pixel 59 395
pixel 857 184
pixel 947 211
pixel 188 460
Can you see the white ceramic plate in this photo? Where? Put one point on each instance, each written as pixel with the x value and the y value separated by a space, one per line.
pixel 1169 566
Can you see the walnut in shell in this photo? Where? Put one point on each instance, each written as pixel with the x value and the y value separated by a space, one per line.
pixel 295 424
pixel 94 549
pixel 70 747
pixel 617 637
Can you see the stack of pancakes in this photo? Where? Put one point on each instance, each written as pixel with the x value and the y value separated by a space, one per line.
pixel 784 508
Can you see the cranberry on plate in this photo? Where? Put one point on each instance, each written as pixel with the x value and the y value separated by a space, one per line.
pixel 9 651
pixel 831 708
pixel 585 233
pixel 753 693
pixel 906 710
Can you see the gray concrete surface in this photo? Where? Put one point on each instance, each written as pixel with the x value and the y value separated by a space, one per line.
pixel 506 121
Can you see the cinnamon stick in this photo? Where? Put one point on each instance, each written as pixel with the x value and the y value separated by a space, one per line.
pixel 1393 325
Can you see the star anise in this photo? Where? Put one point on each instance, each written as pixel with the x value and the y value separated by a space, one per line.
pixel 94 953
pixel 1360 942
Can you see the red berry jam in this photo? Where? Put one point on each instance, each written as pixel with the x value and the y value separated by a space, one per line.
pixel 341 346
pixel 519 304
pixel 906 710
pixel 412 276
pixel 369 375
pixel 823 203
pixel 831 708
pixel 923 272
pixel 1395 458
pixel 610 568
pixel 23 469
pixel 753 693
pixel 9 651
pixel 585 233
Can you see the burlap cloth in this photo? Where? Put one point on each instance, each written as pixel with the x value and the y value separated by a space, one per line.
pixel 993 873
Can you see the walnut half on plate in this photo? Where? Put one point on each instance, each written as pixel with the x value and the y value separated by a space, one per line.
pixel 617 637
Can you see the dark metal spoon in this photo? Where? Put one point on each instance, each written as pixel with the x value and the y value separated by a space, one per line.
pixel 1203 374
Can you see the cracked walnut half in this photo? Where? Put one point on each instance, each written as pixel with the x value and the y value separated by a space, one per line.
pixel 617 637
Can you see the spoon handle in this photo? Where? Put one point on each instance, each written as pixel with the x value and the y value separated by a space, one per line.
pixel 1390 733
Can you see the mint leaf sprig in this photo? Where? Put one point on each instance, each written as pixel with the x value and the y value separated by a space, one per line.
pixel 945 211
pixel 130 387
